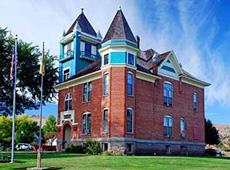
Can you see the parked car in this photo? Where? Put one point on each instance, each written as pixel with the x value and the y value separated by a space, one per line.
pixel 23 146
pixel 214 152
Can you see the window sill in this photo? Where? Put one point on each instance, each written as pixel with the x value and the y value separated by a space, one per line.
pixel 86 134
pixel 87 102
pixel 195 111
pixel 105 95
pixel 130 95
pixel 104 133
pixel 167 105
pixel 129 133
pixel 169 137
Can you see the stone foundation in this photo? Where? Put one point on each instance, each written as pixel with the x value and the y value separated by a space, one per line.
pixel 132 146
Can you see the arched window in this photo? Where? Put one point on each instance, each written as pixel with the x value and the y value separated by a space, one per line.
pixel 168 93
pixel 86 123
pixel 130 83
pixel 168 126
pixel 182 127
pixel 68 101
pixel 129 120
pixel 105 120
pixel 195 101
pixel 106 84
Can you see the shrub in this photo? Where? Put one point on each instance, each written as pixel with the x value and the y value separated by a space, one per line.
pixel 75 149
pixel 92 147
pixel 106 153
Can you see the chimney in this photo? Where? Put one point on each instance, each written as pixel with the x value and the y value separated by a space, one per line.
pixel 137 38
pixel 155 62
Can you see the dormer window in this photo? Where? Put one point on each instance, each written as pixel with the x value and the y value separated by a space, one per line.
pixel 106 59
pixel 130 59
pixel 66 74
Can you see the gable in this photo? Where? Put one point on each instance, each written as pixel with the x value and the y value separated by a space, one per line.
pixel 170 67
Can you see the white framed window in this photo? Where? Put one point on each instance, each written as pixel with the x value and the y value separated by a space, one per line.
pixel 87 92
pixel 130 59
pixel 168 93
pixel 129 120
pixel 168 126
pixel 182 127
pixel 94 50
pixel 105 121
pixel 106 84
pixel 130 83
pixel 68 47
pixel 195 101
pixel 68 101
pixel 66 74
pixel 82 46
pixel 86 123
pixel 106 59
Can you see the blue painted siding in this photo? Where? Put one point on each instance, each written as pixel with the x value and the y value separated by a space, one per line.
pixel 117 57
pixel 119 42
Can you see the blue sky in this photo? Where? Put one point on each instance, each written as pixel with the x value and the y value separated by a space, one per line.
pixel 197 31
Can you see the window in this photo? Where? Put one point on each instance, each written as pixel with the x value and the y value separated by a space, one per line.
pixel 195 101
pixel 130 59
pixel 87 91
pixel 68 102
pixel 182 128
pixel 129 121
pixel 105 147
pixel 106 84
pixel 168 94
pixel 87 49
pixel 106 59
pixel 94 50
pixel 129 148
pixel 195 132
pixel 66 74
pixel 82 46
pixel 168 126
pixel 105 121
pixel 68 47
pixel 86 123
pixel 168 149
pixel 130 84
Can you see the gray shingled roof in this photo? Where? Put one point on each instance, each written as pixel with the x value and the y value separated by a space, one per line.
pixel 84 24
pixel 119 29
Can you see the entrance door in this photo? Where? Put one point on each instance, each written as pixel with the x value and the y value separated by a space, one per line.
pixel 67 136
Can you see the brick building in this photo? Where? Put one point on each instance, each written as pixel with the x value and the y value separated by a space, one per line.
pixel 139 102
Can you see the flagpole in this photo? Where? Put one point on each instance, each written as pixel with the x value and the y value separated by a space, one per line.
pixel 40 126
pixel 14 100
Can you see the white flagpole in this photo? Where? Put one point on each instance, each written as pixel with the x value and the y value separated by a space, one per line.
pixel 40 126
pixel 14 100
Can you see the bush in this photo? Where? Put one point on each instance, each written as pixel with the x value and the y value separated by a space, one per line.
pixel 92 147
pixel 75 149
pixel 106 153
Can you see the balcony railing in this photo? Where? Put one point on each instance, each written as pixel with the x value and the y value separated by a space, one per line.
pixel 68 55
pixel 88 55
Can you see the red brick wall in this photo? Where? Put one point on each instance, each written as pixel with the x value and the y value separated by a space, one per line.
pixel 147 104
pixel 150 110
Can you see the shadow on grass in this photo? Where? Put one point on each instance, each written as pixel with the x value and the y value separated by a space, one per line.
pixel 47 155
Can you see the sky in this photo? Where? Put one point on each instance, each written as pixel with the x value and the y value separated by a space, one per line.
pixel 197 31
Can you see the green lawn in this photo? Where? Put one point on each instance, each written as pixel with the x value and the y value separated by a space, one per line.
pixel 79 161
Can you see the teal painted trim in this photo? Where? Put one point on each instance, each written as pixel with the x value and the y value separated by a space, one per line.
pixel 60 64
pixel 117 58
pixel 119 42
pixel 94 39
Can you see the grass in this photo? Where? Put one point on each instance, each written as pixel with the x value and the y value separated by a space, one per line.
pixel 71 161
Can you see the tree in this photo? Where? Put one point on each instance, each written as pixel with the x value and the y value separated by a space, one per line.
pixel 28 77
pixel 5 131
pixel 211 134
pixel 50 128
pixel 26 128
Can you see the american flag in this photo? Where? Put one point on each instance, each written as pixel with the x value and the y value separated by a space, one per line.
pixel 14 61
